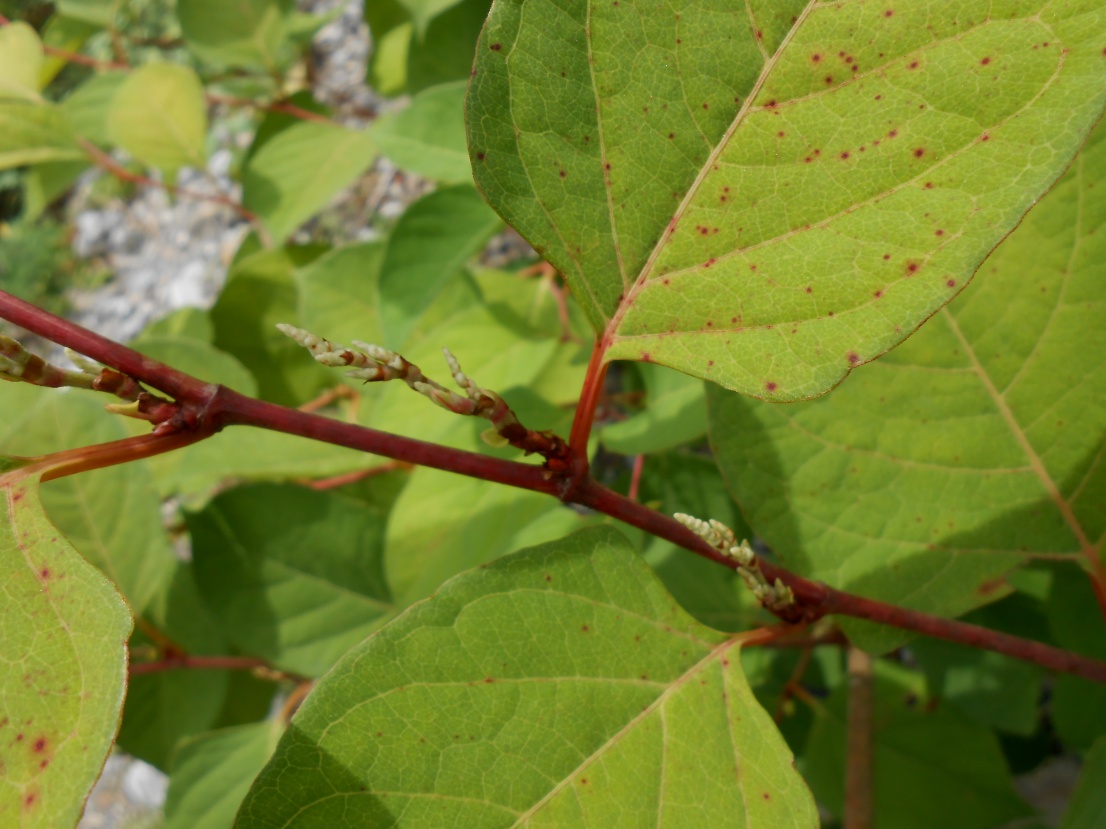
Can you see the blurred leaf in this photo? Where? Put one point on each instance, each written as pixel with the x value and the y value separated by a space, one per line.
pixel 87 108
pixel 260 292
pixel 299 170
pixel 470 523
pixel 933 471
pixel 733 218
pixel 994 690
pixel 159 116
pixel 295 575
pixel 675 413
pixel 566 689
pixel 199 359
pixel 433 238
pixel 190 323
pixel 249 34
pixel 100 13
pixel 212 773
pixel 931 766
pixel 1087 808
pixel 21 61
pixel 390 28
pixel 65 33
pixel 1078 707
pixel 32 133
pixel 428 137
pixel 338 297
pixel 65 664
pixel 445 52
pixel 45 182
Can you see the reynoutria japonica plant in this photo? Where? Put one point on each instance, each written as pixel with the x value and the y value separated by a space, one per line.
pixel 768 492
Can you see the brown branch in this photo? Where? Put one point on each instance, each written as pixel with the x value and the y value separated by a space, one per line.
pixel 585 408
pixel 859 802
pixel 205 408
pixel 106 162
pixel 635 477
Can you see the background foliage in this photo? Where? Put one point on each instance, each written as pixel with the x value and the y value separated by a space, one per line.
pixel 770 215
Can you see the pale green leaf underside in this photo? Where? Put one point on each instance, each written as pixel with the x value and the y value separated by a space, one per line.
pixel 63 634
pixel 977 442
pixel 558 687
pixel 767 204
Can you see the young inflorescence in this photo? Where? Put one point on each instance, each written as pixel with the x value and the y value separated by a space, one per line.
pixel 19 365
pixel 775 596
pixel 372 363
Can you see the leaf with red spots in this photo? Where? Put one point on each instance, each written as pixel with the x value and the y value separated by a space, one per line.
pixel 63 635
pixel 974 446
pixel 835 134
pixel 560 686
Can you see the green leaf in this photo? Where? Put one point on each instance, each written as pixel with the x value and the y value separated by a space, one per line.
pixel 432 240
pixel 213 772
pixel 444 52
pixel 391 28
pixel 201 360
pixel 33 133
pixel 87 108
pixel 65 665
pixel 567 690
pixel 159 116
pixel 260 292
pixel 1087 808
pixel 423 11
pixel 299 170
pixel 931 766
pixel 338 296
pixel 112 515
pixel 189 323
pixel 992 689
pixel 425 547
pixel 67 34
pixel 675 413
pixel 294 575
pixel 941 466
pixel 98 12
pixel 21 61
pixel 428 137
pixel 1078 707
pixel 249 34
pixel 733 218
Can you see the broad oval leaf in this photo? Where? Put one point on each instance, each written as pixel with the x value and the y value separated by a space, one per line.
pixel 158 115
pixel 21 61
pixel 63 637
pixel 33 133
pixel 296 172
pixel 295 576
pixel 250 33
pixel 428 137
pixel 974 444
pixel 560 686
pixel 771 219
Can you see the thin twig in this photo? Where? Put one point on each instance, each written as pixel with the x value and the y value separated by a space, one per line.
pixel 184 662
pixel 106 162
pixel 358 475
pixel 635 477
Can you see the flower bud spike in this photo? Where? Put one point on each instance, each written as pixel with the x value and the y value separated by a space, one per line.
pixel 773 596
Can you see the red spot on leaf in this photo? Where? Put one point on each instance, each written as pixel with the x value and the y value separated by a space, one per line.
pixel 877 294
pixel 911 268
pixel 815 58
pixel 495 47
pixel 563 174
pixel 671 135
pixel 780 134
pixel 770 386
pixel 39 745
pixel 809 289
pixel 845 156
pixel 938 232
pixel 489 680
pixel 951 283
pixel 892 134
pixel 919 152
pixel 854 358
pixel 985 137
pixel 889 13
pixel 480 156
pixel 912 65
pixel 645 358
pixel 985 61
pixel 829 79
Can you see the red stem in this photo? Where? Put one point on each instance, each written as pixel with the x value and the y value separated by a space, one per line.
pixel 213 407
pixel 589 399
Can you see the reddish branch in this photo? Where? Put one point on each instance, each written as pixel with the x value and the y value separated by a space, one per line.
pixel 201 409
pixel 106 162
